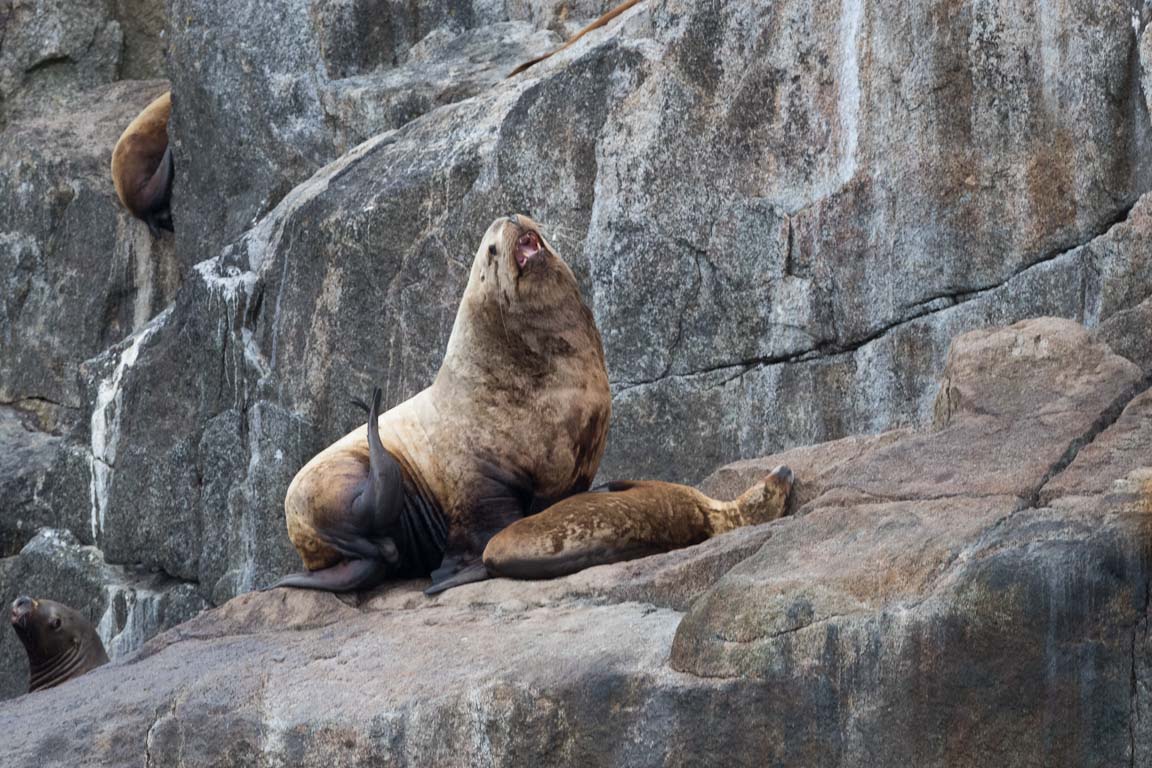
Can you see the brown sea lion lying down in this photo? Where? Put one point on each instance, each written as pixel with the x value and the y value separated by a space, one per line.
pixel 624 521
pixel 61 643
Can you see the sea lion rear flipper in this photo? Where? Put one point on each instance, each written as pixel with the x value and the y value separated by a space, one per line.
pixel 156 193
pixel 347 576
pixel 384 494
pixel 452 575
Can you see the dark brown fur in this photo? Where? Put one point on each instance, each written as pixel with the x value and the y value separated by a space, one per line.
pixel 61 643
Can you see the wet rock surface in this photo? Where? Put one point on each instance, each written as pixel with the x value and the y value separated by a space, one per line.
pixel 936 595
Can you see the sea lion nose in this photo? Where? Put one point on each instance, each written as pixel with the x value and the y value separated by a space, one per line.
pixel 22 601
pixel 514 219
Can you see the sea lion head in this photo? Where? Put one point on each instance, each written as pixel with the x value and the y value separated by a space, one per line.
pixel 519 269
pixel 61 643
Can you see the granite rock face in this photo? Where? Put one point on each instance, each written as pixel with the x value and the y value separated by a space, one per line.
pixel 79 274
pixel 971 593
pixel 50 50
pixel 762 278
pixel 781 213
pixel 53 51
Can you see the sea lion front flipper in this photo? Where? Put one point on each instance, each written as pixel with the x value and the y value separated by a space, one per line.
pixel 347 576
pixel 451 574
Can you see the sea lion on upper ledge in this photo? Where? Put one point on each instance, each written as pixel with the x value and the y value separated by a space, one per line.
pixel 516 417
pixel 600 22
pixel 142 166
pixel 624 521
pixel 61 643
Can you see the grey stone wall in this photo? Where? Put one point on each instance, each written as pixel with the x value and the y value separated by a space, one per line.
pixel 780 211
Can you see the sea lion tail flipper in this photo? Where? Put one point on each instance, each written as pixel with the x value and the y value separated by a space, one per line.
pixel 385 491
pixel 347 576
pixel 448 576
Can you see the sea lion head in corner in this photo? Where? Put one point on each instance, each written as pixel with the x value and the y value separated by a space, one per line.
pixel 142 167
pixel 61 643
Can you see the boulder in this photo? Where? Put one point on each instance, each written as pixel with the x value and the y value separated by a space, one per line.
pixel 970 593
pixel 262 104
pixel 43 482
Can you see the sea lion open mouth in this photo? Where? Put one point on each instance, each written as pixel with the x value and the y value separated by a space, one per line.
pixel 527 248
pixel 21 608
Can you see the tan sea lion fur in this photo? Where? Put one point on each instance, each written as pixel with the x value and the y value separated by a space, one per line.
pixel 61 643
pixel 516 417
pixel 625 521
pixel 142 165
pixel 600 22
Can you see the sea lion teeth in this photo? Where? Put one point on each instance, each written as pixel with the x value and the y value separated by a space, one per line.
pixel 527 248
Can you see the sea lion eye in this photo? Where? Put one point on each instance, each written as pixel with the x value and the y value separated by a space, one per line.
pixel 55 623
pixel 492 249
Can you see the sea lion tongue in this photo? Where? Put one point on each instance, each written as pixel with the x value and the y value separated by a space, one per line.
pixel 527 247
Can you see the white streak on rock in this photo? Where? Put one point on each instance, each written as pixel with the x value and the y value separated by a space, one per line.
pixel 141 621
pixel 848 105
pixel 105 424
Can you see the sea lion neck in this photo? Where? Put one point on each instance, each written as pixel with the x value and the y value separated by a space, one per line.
pixel 47 671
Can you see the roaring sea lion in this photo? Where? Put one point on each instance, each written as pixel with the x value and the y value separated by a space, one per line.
pixel 61 643
pixel 627 520
pixel 517 417
pixel 142 166
pixel 607 17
